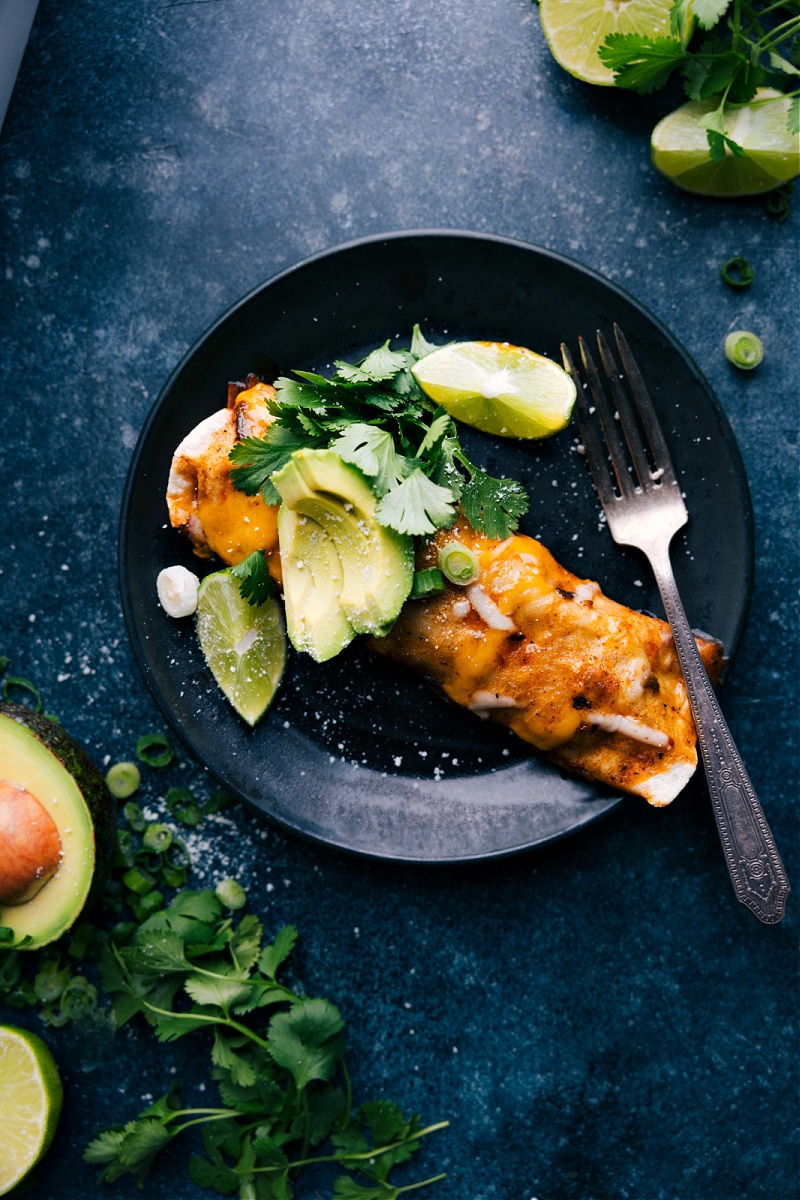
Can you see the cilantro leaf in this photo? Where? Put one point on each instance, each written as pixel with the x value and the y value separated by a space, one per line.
pixel 255 582
pixel 417 505
pixel 372 450
pixel 420 346
pixel 639 63
pixel 305 1040
pixel 709 12
pixel 272 956
pixel 219 992
pixel 378 366
pixel 493 506
pixel 217 1177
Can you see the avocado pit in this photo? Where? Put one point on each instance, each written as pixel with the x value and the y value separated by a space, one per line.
pixel 30 847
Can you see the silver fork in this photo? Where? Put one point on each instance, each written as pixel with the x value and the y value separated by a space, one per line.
pixel 644 508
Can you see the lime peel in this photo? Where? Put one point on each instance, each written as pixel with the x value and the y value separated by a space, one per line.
pixel 244 645
pixel 501 389
pixel 31 1096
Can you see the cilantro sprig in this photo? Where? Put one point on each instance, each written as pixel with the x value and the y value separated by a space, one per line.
pixel 375 416
pixel 724 50
pixel 278 1058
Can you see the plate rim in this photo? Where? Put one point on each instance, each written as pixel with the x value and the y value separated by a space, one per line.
pixel 614 800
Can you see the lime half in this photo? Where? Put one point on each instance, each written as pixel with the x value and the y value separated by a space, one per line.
pixel 679 147
pixel 244 644
pixel 576 29
pixel 501 389
pixel 30 1103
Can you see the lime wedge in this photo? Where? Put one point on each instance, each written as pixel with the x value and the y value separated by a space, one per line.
pixel 679 147
pixel 30 1103
pixel 244 644
pixel 501 389
pixel 576 29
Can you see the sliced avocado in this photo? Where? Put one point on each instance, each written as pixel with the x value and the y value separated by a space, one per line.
pixel 343 573
pixel 38 757
pixel 311 587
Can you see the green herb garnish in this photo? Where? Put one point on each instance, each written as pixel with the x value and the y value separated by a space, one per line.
pixel 278 1060
pixel 255 582
pixel 724 50
pixel 375 416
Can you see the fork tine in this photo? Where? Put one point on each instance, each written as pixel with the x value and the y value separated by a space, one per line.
pixel 596 452
pixel 615 447
pixel 627 419
pixel 662 459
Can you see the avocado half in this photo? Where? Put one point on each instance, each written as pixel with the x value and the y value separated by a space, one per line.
pixel 343 573
pixel 38 755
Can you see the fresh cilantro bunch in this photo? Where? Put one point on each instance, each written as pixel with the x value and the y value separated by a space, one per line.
pixel 724 49
pixel 277 1057
pixel 375 416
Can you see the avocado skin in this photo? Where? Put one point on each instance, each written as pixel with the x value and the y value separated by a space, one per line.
pixel 91 784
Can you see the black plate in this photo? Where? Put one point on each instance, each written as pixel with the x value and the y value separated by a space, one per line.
pixel 356 753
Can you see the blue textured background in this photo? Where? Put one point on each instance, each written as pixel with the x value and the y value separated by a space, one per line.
pixel 599 1020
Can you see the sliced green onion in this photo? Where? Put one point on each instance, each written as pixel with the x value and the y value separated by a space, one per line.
pixel 122 932
pixel 157 838
pixel 182 804
pixel 134 816
pixel 126 849
pixel 139 880
pixel 154 749
pixel 230 893
pixel 50 982
pixel 123 779
pixel 6 934
pixel 458 564
pixel 426 583
pixel 173 876
pixel 78 997
pixel 744 349
pixel 218 801
pixel 23 685
pixel 737 272
pixel 147 905
pixel 81 939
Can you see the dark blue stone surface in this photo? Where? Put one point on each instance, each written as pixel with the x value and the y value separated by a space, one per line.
pixel 599 1020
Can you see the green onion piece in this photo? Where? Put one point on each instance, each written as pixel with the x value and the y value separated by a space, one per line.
pixel 81 939
pixel 50 982
pixel 458 564
pixel 79 997
pixel 6 934
pixel 126 850
pixel 182 804
pixel 123 779
pixel 122 932
pixel 737 272
pixel 154 749
pixel 139 880
pixel 23 685
pixel 230 893
pixel 218 801
pixel 744 349
pixel 173 877
pixel 157 838
pixel 426 583
pixel 147 905
pixel 134 816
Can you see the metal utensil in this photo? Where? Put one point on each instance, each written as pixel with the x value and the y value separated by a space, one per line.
pixel 635 480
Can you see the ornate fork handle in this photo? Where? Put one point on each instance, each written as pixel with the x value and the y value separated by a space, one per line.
pixel 756 870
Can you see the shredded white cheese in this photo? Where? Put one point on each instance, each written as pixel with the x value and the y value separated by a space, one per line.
pixel 487 610
pixel 484 701
pixel 630 727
